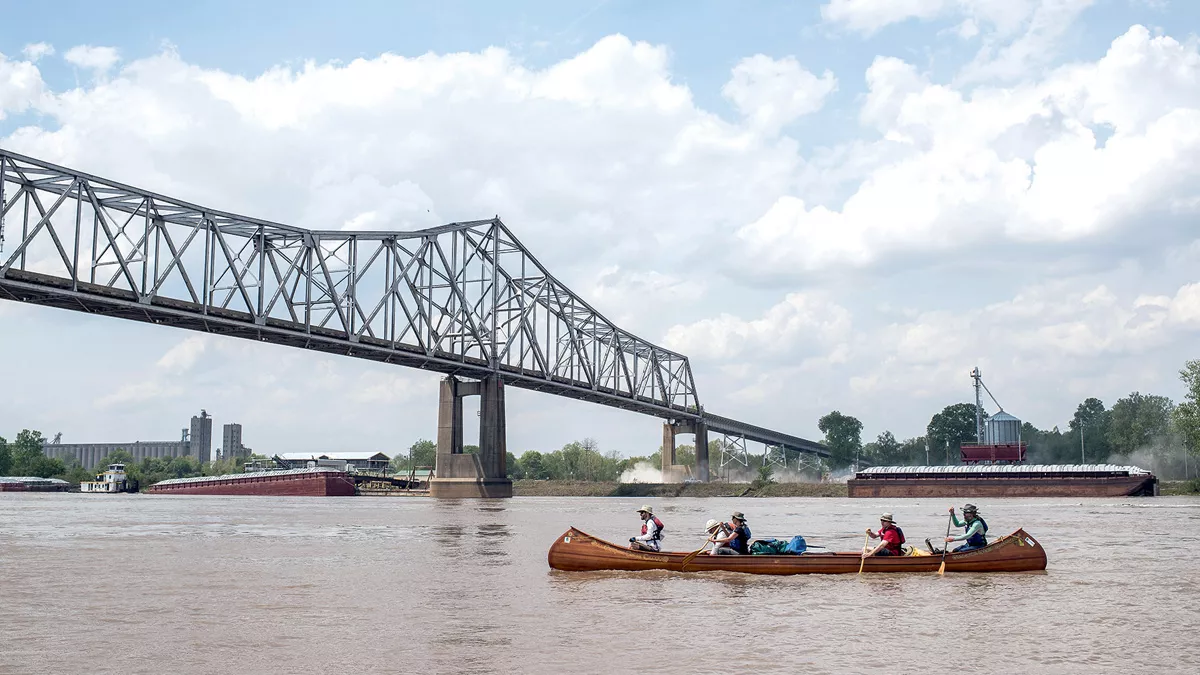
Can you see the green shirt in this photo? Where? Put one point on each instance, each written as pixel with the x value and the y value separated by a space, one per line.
pixel 972 528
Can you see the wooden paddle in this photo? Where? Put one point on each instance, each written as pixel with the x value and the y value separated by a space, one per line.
pixel 691 556
pixel 866 542
pixel 945 545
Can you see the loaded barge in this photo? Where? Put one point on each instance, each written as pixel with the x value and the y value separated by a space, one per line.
pixel 1003 480
pixel 316 481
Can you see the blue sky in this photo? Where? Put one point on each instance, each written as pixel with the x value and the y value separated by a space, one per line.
pixel 811 245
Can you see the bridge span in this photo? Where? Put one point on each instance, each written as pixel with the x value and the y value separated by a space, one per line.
pixel 467 300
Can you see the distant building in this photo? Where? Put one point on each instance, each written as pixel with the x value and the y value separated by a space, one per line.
pixel 201 435
pixel 231 442
pixel 347 461
pixel 195 441
pixel 91 454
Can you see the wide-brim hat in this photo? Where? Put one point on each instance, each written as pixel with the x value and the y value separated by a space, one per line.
pixel 738 515
pixel 970 508
pixel 887 518
pixel 646 509
pixel 711 525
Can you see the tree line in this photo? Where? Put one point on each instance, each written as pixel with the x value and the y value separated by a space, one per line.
pixel 577 460
pixel 1146 429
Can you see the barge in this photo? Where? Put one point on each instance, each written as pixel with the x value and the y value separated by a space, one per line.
pixel 1003 480
pixel 317 481
pixel 32 484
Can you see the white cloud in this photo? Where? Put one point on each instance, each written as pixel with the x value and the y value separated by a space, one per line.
pixel 183 356
pixel 99 59
pixel 1021 164
pixel 801 318
pixel 37 50
pixel 21 85
pixel 1016 35
pixel 1004 17
pixel 771 93
pixel 1010 60
pixel 868 16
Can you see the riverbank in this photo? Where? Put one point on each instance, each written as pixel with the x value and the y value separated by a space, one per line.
pixel 566 488
pixel 1179 487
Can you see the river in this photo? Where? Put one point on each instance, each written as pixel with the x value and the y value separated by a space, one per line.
pixel 156 584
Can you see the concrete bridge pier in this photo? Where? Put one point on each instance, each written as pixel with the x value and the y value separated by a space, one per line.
pixel 675 473
pixel 457 474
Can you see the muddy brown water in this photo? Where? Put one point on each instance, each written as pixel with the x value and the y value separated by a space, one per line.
pixel 156 584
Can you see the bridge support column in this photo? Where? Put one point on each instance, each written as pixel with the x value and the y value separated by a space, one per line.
pixel 457 474
pixel 672 472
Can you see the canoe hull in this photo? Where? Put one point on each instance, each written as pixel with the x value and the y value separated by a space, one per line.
pixel 577 551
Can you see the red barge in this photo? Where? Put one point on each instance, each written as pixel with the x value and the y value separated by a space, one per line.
pixel 311 482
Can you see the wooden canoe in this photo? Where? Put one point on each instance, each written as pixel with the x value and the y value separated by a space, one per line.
pixel 576 551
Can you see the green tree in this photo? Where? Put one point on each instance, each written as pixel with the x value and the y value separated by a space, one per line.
pixel 843 436
pixel 1186 419
pixel 422 453
pixel 533 465
pixel 514 466
pixel 949 429
pixel 912 452
pixel 1138 420
pixel 5 457
pixel 26 448
pixel 1094 420
pixel 884 450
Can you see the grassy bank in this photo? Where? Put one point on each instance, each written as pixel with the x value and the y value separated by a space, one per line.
pixel 566 488
pixel 1179 487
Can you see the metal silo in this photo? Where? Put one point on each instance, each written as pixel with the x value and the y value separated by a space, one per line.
pixel 1003 429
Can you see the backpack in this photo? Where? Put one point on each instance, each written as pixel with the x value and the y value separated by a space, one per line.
pixel 657 523
pixel 899 531
pixel 796 546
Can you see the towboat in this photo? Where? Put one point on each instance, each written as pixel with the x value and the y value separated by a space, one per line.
pixel 577 551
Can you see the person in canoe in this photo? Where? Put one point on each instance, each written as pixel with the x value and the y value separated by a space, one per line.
pixel 976 534
pixel 890 538
pixel 652 532
pixel 732 538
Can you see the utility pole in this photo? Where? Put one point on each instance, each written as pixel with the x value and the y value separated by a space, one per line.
pixel 1082 459
pixel 978 378
pixel 926 451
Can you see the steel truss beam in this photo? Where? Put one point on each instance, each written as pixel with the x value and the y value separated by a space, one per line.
pixel 463 298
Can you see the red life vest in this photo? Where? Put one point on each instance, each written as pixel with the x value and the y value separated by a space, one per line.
pixel 894 547
pixel 658 524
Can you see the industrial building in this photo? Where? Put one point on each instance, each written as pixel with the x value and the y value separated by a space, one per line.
pixel 231 442
pixel 195 441
pixel 345 461
pixel 201 435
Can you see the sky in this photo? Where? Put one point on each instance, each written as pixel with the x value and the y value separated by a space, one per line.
pixel 827 205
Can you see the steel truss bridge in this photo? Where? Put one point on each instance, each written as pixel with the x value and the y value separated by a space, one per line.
pixel 464 299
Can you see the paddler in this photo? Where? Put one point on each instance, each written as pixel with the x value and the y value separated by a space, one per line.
pixel 890 538
pixel 976 534
pixel 716 529
pixel 734 536
pixel 651 532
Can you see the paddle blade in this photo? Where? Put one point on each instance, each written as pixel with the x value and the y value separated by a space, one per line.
pixel 942 567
